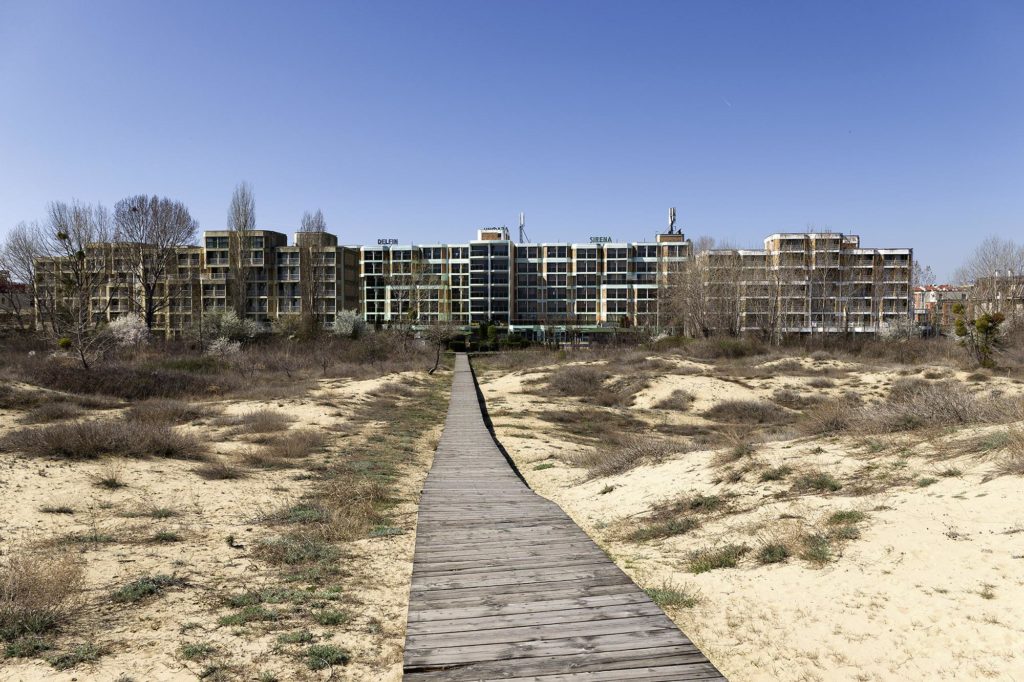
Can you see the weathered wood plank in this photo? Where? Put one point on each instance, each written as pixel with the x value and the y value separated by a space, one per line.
pixel 506 586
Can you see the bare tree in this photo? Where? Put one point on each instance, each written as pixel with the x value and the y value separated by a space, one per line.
pixel 241 224
pixel 688 302
pixel 995 272
pixel 78 241
pixel 149 232
pixel 313 270
pixel 437 334
pixel 18 255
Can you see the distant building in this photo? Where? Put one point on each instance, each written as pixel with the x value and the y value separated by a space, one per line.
pixel 800 283
pixel 265 275
pixel 813 282
pixel 933 306
pixel 598 285
pixel 15 304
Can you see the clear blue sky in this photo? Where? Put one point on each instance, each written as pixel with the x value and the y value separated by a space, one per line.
pixel 901 121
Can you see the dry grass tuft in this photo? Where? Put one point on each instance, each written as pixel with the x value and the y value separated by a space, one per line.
pixel 747 412
pixel 678 400
pixel 164 411
pixel 51 412
pixel 259 422
pixel 622 453
pixel 39 590
pixel 95 439
pixel 793 400
pixel 296 444
pixel 1012 464
pixel 577 381
pixel 219 470
pixel 914 404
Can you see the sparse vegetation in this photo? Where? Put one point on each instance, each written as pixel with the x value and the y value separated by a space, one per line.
pixel 81 653
pixel 713 558
pixel 103 438
pixel 146 586
pixel 259 422
pixel 219 469
pixel 39 591
pixel 197 651
pixel 747 412
pixel 679 400
pixel 778 473
pixel 773 553
pixel 816 482
pixel 816 548
pixel 670 596
pixel 663 529
pixel 622 453
pixel 320 656
pixel 165 411
pixel 51 412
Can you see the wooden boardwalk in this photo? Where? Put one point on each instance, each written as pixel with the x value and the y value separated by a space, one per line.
pixel 506 586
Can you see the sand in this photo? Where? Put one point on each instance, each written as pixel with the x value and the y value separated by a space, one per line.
pixel 932 589
pixel 143 641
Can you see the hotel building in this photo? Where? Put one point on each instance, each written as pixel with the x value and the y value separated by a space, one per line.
pixel 798 283
pixel 814 282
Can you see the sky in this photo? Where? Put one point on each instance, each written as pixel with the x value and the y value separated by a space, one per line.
pixel 424 121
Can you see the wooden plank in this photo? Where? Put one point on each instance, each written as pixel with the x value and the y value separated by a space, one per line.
pixel 506 586
pixel 523 607
pixel 545 616
pixel 599 661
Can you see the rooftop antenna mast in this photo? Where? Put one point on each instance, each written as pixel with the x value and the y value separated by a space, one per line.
pixel 672 220
pixel 522 228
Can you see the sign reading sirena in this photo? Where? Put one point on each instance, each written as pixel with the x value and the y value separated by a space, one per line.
pixel 600 240
pixel 386 242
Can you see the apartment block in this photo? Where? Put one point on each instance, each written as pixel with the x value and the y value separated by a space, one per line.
pixel 259 271
pixel 799 283
pixel 492 278
pixel 814 282
pixel 933 305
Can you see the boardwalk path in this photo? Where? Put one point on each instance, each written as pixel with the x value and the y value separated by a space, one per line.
pixel 506 586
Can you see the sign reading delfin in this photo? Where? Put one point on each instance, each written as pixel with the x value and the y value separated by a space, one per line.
pixel 386 242
pixel 600 240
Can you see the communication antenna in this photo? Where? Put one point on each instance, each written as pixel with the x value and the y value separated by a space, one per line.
pixel 522 228
pixel 672 220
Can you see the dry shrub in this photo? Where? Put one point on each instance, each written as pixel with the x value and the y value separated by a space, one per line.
pixel 739 444
pixel 716 348
pixel 356 503
pixel 678 400
pixel 747 412
pixel 295 444
pixel 125 382
pixel 12 398
pixel 219 469
pixel 38 591
pixel 94 439
pixel 259 458
pixel 621 392
pixel 914 404
pixel 622 453
pixel 514 360
pixel 821 382
pixel 51 412
pixel 1012 463
pixel 793 400
pixel 164 411
pixel 591 423
pixel 578 381
pixel 259 421
pixel 828 417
